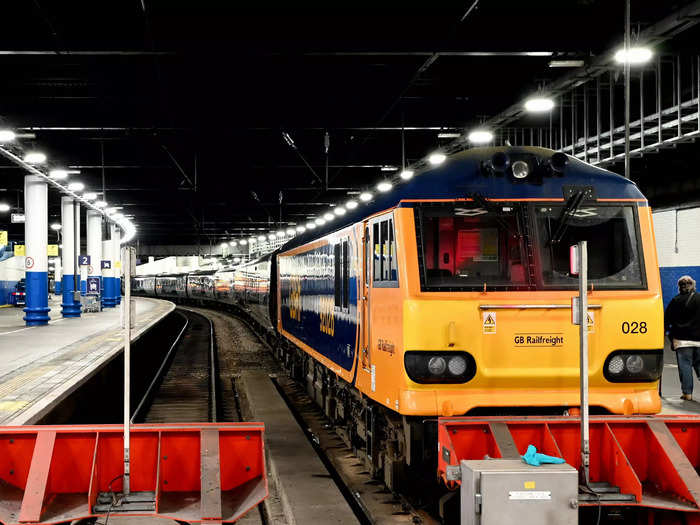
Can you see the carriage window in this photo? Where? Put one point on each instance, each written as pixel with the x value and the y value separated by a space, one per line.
pixel 336 267
pixel 469 247
pixel 346 274
pixel 384 253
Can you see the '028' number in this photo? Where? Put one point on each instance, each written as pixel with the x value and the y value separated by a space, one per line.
pixel 634 327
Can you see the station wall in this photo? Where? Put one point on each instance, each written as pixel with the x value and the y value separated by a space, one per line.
pixel 677 234
pixel 11 271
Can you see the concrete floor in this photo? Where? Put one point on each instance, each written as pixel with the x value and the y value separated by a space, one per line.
pixel 40 366
pixel 671 388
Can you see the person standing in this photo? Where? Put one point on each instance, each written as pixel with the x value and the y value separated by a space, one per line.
pixel 682 321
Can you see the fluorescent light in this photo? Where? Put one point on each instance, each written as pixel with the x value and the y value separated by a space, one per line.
pixel 365 196
pixel 480 136
pixel 7 135
pixel 351 204
pixel 633 55
pixel 328 216
pixel 280 233
pixel 339 210
pixel 290 231
pixel 301 229
pixel 89 196
pixel 101 204
pixel 437 158
pixel 319 221
pixel 271 237
pixel 406 174
pixel 539 53
pixel 384 186
pixel 4 207
pixel 388 168
pixel 566 63
pixel 224 245
pixel 58 174
pixel 34 157
pixel 261 238
pixel 55 226
pixel 539 104
pixel 76 186
pixel 236 259
pixel 449 135
pixel 243 242
pixel 252 240
pixel 310 225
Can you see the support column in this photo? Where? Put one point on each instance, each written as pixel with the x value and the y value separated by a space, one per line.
pixel 94 246
pixel 108 300
pixel 116 263
pixel 36 262
pixel 81 271
pixel 70 307
pixel 57 276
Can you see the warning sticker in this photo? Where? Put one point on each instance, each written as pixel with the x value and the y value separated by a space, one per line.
pixel 489 324
pixel 591 322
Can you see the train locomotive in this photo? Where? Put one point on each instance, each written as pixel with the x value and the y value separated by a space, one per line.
pixel 450 295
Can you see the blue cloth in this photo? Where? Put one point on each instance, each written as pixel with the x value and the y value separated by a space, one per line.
pixel 688 359
pixel 534 458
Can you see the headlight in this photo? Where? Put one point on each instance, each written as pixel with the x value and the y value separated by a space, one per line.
pixel 457 365
pixel 616 365
pixel 520 169
pixel 436 365
pixel 439 367
pixel 633 366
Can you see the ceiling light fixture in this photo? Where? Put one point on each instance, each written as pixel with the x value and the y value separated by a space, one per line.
pixel 243 242
pixel 301 229
pixel 437 158
pixel 35 157
pixel 76 186
pixel 89 196
pixel 310 225
pixel 328 216
pixel 55 226
pixel 339 210
pixel 480 136
pixel 7 135
pixel 449 135
pixel 406 174
pixel 539 104
pixel 290 231
pixel 365 196
pixel 101 204
pixel 566 63
pixel 351 204
pixel 261 238
pixel 388 168
pixel 319 221
pixel 384 186
pixel 633 55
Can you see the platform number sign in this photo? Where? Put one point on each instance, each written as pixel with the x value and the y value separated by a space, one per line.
pixel 106 265
pixel 93 286
pixel 83 260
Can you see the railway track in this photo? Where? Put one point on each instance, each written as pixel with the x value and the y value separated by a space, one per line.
pixel 372 501
pixel 185 386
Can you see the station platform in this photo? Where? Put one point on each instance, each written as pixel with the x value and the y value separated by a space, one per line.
pixel 671 402
pixel 41 365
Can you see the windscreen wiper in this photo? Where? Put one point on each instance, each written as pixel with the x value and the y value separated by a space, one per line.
pixel 481 201
pixel 572 206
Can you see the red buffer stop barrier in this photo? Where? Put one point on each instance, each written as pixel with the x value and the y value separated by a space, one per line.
pixel 654 461
pixel 199 472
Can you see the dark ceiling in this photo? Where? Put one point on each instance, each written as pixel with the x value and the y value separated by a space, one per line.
pixel 179 107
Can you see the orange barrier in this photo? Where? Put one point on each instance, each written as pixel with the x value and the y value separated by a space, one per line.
pixel 654 461
pixel 203 472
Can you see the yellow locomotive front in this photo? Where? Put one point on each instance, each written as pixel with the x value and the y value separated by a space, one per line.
pixel 485 306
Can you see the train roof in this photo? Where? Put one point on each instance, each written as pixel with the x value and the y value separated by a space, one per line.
pixel 463 174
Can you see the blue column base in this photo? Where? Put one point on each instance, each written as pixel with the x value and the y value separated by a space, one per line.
pixel 83 287
pixel 70 307
pixel 37 309
pixel 108 298
pixel 57 288
pixel 118 289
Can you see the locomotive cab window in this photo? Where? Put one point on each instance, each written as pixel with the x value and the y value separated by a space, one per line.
pixel 464 246
pixel 385 268
pixel 611 233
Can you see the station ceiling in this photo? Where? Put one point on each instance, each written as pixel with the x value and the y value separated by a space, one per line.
pixel 178 109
